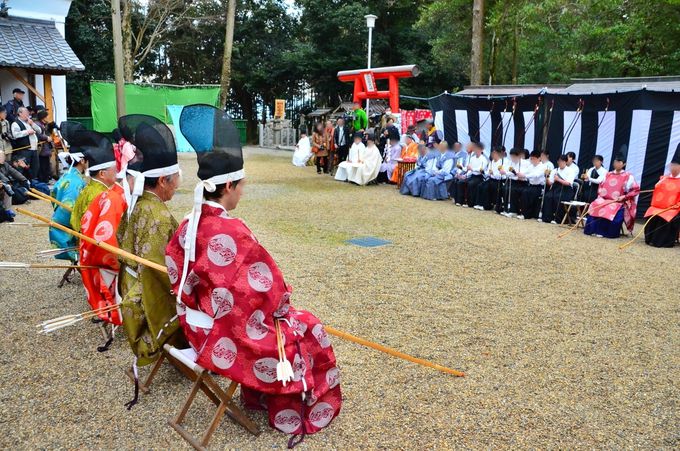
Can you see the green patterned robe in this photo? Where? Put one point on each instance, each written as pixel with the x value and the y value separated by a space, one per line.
pixel 148 304
pixel 93 189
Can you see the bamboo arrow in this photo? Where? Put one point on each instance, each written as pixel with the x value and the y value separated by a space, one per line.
pixel 20 265
pixel 583 216
pixel 390 351
pixel 27 224
pixel 42 196
pixel 68 320
pixel 105 246
pixel 161 268
pixel 52 252
pixel 672 207
pixel 7 152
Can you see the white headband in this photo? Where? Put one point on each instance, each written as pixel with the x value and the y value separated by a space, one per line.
pixel 210 185
pixel 139 183
pixel 75 157
pixel 99 167
pixel 127 191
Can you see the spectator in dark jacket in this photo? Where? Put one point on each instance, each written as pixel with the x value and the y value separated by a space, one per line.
pixel 14 187
pixel 342 140
pixel 13 105
pixel 45 149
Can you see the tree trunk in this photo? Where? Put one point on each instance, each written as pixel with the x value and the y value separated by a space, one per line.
pixel 118 57
pixel 126 28
pixel 225 79
pixel 477 53
pixel 492 57
pixel 515 44
pixel 243 98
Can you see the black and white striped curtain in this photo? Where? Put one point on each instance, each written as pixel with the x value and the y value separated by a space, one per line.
pixel 490 121
pixel 648 122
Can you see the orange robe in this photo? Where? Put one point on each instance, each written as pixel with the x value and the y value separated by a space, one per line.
pixel 666 194
pixel 409 152
pixel 100 222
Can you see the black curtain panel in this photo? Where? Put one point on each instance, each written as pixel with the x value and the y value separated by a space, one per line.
pixel 647 122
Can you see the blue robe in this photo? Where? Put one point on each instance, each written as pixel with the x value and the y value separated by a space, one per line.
pixel 66 190
pixel 461 157
pixel 436 186
pixel 413 179
pixel 601 226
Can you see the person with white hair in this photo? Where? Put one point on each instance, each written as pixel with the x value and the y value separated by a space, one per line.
pixel 25 136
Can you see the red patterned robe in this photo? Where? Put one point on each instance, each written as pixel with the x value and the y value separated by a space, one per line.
pixel 100 222
pixel 235 281
pixel 613 186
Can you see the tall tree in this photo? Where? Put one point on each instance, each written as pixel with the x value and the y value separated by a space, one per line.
pixel 225 80
pixel 477 53
pixel 264 62
pixel 144 27
pixel 445 25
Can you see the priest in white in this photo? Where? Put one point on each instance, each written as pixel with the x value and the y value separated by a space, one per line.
pixel 303 151
pixel 347 168
pixel 369 163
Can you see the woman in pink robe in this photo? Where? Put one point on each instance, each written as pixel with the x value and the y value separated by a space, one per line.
pixel 616 202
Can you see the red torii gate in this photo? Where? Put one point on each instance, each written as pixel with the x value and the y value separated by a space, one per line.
pixel 366 88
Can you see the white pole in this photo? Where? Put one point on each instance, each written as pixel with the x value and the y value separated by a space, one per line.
pixel 370 41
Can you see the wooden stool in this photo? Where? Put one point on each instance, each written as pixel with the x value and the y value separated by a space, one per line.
pixel 224 402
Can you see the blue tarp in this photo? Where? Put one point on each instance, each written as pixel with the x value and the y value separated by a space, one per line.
pixel 182 144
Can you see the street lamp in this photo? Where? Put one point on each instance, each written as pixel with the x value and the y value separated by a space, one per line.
pixel 370 23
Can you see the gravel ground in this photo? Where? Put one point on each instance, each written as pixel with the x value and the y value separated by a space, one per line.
pixel 566 343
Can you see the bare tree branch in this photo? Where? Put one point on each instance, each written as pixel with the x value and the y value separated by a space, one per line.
pixel 160 17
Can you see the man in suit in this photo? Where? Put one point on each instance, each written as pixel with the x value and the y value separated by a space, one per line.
pixel 342 141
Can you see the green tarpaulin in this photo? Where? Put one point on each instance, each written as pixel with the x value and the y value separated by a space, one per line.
pixel 144 99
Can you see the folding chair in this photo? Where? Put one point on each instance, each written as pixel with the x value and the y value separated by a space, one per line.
pixel 144 386
pixel 203 380
pixel 568 204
